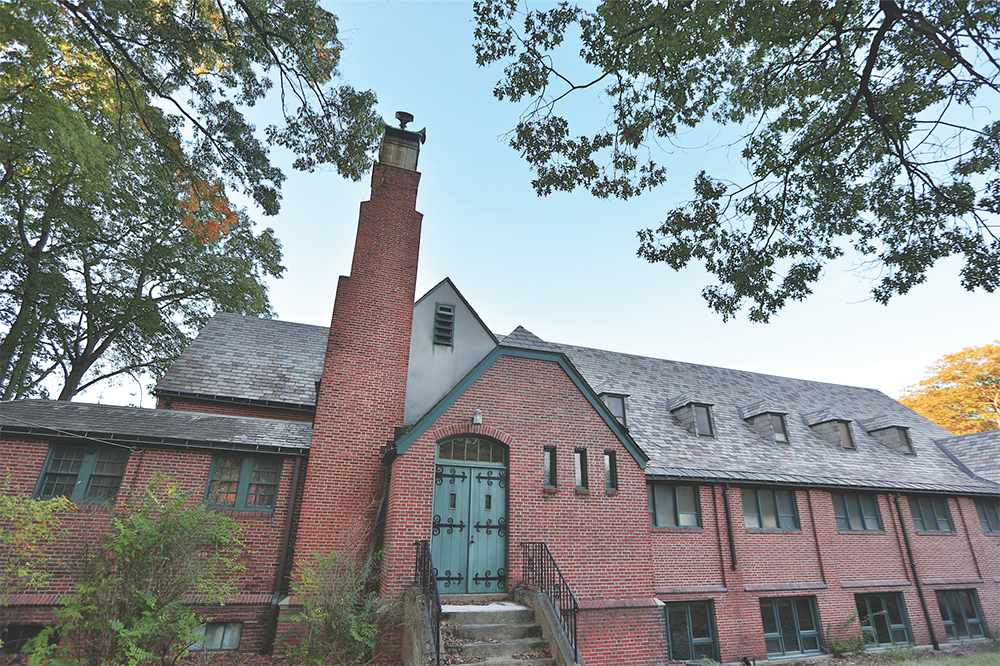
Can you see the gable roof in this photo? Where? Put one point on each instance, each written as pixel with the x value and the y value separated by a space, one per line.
pixel 738 453
pixel 250 361
pixel 978 452
pixel 54 419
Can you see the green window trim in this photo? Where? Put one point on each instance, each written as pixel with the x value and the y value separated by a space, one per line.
pixel 243 483
pixel 931 514
pixel 856 512
pixel 791 626
pixel 883 619
pixel 673 506
pixel 962 615
pixel 84 474
pixel 989 515
pixel 691 633
pixel 769 509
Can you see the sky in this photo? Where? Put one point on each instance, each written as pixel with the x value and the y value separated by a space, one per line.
pixel 565 266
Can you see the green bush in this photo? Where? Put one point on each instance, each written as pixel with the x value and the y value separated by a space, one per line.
pixel 846 638
pixel 340 620
pixel 129 600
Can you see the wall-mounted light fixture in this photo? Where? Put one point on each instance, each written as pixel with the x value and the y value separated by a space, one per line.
pixel 477 417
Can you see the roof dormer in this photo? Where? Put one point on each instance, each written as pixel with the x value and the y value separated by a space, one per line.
pixel 768 420
pixel 694 413
pixel 892 435
pixel 832 427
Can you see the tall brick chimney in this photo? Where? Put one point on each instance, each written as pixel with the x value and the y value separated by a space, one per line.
pixel 362 392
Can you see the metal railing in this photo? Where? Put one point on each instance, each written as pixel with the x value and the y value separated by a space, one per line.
pixel 426 580
pixel 539 571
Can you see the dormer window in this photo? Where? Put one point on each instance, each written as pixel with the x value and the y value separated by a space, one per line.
pixel 892 435
pixel 768 419
pixel 703 420
pixel 444 324
pixel 904 440
pixel 779 427
pixel 832 426
pixel 615 403
pixel 846 437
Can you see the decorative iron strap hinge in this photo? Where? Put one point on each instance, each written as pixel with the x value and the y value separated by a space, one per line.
pixel 451 526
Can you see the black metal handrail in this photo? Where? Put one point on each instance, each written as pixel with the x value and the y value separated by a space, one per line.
pixel 426 580
pixel 539 571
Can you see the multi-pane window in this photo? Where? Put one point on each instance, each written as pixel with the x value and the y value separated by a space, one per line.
pixel 672 506
pixel 703 420
pixel 580 467
pixel 766 509
pixel 217 636
pixel 549 466
pixel 883 619
pixel 930 514
pixel 791 626
pixel 243 483
pixel 83 474
pixel 963 618
pixel 989 514
pixel 472 449
pixel 444 324
pixel 856 511
pixel 691 631
pixel 610 471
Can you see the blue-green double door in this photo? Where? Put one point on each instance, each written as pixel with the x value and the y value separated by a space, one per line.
pixel 469 532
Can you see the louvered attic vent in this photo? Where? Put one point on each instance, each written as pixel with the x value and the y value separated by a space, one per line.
pixel 444 324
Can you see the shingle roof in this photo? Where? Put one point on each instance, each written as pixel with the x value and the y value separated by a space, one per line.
pixel 51 418
pixel 248 359
pixel 980 452
pixel 738 452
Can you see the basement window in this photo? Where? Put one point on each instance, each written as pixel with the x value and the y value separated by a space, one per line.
pixel 218 637
pixel 444 324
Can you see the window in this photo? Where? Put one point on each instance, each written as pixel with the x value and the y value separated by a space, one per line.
pixel 791 626
pixel 83 474
pixel 765 509
pixel 963 618
pixel 610 471
pixel 13 637
pixel 549 466
pixel 989 514
pixel 218 636
pixel 580 467
pixel 243 483
pixel 616 403
pixel 703 421
pixel 780 428
pixel 691 631
pixel 472 449
pixel 444 324
pixel 930 514
pixel 846 437
pixel 883 619
pixel 904 440
pixel 856 511
pixel 672 506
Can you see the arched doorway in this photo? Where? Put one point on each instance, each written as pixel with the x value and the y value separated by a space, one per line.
pixel 469 530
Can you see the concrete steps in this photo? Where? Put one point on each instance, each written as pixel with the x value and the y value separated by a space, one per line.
pixel 491 632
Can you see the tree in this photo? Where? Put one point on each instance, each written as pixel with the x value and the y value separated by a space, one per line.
pixel 961 392
pixel 122 135
pixel 128 603
pixel 861 126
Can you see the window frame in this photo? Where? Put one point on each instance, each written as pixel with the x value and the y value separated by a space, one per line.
pixel 549 479
pixel 709 419
pixel 870 629
pixel 200 646
pixel 608 398
pixel 778 515
pixel 816 632
pixel 948 615
pixel 922 502
pixel 989 515
pixel 677 515
pixel 844 428
pixel 847 515
pixel 85 474
pixel 580 477
pixel 610 470
pixel 243 483
pixel 692 642
pixel 905 441
pixel 779 428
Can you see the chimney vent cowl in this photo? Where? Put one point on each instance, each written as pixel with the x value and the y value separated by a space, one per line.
pixel 401 147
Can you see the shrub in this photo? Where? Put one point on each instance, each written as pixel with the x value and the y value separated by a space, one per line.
pixel 340 620
pixel 846 638
pixel 129 599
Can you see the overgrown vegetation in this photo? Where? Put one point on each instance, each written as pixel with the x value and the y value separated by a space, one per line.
pixel 846 638
pixel 341 617
pixel 129 600
pixel 27 526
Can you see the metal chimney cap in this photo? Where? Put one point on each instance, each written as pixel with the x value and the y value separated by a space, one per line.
pixel 404 118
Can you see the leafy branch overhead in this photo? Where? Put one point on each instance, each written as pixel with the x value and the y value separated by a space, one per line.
pixel 864 126
pixel 122 137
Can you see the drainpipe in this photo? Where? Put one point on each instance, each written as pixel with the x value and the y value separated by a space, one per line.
pixel 729 529
pixel 271 625
pixel 916 578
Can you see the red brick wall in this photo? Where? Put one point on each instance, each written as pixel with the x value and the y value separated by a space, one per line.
pixel 363 387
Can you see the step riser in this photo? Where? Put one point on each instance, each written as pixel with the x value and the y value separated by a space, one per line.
pixel 504 649
pixel 526 616
pixel 479 632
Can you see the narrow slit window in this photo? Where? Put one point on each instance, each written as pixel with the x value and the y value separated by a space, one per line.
pixel 610 471
pixel 444 324
pixel 580 467
pixel 549 467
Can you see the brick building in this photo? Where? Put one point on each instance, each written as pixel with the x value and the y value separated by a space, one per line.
pixel 694 511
